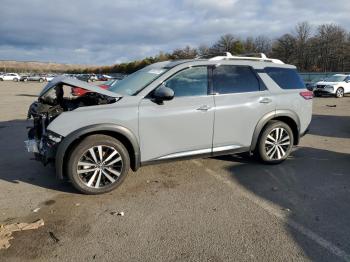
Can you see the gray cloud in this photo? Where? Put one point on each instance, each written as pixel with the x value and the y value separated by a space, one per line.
pixel 110 31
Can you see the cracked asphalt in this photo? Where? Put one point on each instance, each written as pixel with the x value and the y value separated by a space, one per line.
pixel 228 208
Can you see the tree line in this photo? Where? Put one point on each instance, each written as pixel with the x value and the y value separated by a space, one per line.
pixel 325 48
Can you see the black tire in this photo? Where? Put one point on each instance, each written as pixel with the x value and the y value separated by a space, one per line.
pixel 276 155
pixel 339 93
pixel 81 181
pixel 15 79
pixel 41 80
pixel 1 79
pixel 317 94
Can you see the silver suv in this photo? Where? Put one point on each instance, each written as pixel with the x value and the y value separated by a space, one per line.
pixel 169 111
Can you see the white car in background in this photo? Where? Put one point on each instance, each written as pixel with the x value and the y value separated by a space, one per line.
pixel 50 77
pixel 337 85
pixel 10 77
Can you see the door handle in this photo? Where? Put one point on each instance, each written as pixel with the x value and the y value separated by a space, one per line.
pixel 203 108
pixel 265 100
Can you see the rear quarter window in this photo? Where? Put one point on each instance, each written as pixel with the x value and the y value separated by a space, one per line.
pixel 286 78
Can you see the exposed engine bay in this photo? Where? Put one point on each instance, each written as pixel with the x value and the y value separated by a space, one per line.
pixel 51 103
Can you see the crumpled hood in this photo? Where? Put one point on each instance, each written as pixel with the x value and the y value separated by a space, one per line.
pixel 69 81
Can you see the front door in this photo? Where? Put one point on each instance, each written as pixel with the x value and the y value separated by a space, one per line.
pixel 182 126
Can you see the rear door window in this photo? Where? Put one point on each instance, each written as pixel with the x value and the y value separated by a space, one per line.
pixel 286 78
pixel 229 79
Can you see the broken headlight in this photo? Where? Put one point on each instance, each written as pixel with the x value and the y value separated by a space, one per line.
pixel 52 136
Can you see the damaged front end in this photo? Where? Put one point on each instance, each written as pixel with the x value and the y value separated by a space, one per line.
pixel 55 99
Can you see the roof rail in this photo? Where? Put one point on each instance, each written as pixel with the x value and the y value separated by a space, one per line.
pixel 262 58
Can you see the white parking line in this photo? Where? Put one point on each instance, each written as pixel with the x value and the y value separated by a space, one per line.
pixel 272 209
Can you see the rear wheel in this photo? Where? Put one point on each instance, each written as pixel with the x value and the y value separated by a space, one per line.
pixel 41 80
pixel 98 164
pixel 275 143
pixel 339 93
pixel 15 79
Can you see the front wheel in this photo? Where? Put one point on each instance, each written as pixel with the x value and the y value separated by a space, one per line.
pixel 98 164
pixel 275 143
pixel 339 93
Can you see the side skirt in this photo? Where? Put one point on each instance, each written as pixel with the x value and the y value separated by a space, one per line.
pixel 188 157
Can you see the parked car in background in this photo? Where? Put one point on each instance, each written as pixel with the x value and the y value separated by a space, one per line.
pixel 38 78
pixel 24 78
pixel 93 77
pixel 104 77
pixel 168 111
pixel 337 85
pixel 10 77
pixel 310 86
pixel 86 77
pixel 50 77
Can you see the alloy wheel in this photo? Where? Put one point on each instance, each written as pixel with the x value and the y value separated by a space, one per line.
pixel 340 92
pixel 100 166
pixel 277 143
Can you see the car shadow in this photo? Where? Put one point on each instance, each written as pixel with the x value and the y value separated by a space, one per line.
pixel 313 186
pixel 19 166
pixel 323 125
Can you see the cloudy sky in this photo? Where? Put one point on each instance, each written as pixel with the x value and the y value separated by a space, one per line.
pixel 111 31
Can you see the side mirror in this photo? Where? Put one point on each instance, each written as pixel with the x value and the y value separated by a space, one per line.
pixel 162 93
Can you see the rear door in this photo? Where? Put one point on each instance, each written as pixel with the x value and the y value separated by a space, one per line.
pixel 182 126
pixel 241 100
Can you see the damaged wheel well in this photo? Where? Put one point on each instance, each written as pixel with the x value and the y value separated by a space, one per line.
pixel 133 150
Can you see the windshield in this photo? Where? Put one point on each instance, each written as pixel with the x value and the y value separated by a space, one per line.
pixel 135 82
pixel 335 78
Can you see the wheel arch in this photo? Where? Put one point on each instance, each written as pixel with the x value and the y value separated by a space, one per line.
pixel 121 133
pixel 339 88
pixel 286 116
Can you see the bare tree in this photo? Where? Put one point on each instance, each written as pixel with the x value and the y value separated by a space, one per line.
pixel 203 51
pixel 227 43
pixel 303 33
pixel 283 48
pixel 184 53
pixel 332 44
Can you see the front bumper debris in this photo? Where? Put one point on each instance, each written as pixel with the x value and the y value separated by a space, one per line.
pixel 44 150
pixel 32 146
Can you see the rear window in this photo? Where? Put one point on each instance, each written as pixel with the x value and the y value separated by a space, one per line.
pixel 286 78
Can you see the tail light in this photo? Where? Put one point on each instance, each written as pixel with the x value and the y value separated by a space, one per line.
pixel 307 95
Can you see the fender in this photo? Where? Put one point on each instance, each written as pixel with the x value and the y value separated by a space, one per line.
pixel 68 140
pixel 269 116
